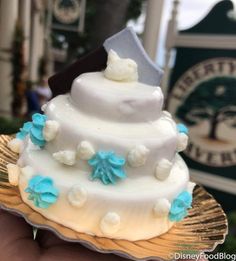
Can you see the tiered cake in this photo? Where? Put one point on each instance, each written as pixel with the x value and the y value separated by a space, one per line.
pixel 103 159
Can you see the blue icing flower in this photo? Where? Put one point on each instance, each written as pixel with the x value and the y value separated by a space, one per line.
pixel 34 129
pixel 179 206
pixel 107 167
pixel 24 130
pixel 182 128
pixel 41 191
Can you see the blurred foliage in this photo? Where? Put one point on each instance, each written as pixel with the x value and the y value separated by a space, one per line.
pixel 10 126
pixel 229 245
pixel 81 44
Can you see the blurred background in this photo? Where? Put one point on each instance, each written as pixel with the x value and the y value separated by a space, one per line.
pixel 194 42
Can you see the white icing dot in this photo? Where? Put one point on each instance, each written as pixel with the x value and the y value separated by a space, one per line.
pixel 85 150
pixel 16 145
pixel 138 156
pixel 167 114
pixel 77 196
pixel 13 174
pixel 161 207
pixel 110 223
pixel 27 172
pixel 190 187
pixel 119 69
pixel 182 142
pixel 163 169
pixel 67 157
pixel 50 130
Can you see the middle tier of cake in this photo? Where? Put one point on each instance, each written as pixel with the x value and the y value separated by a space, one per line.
pixel 142 144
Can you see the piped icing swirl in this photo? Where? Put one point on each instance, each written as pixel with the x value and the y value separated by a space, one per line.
pixel 118 69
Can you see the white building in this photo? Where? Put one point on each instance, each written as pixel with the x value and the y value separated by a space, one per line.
pixel 30 14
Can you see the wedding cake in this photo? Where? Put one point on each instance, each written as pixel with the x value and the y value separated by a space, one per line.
pixel 103 159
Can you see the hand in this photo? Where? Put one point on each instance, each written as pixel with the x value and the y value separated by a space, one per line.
pixel 17 244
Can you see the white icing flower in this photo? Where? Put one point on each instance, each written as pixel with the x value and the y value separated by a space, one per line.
pixel 27 172
pixel 77 196
pixel 110 223
pixel 138 156
pixel 50 130
pixel 119 69
pixel 85 150
pixel 190 187
pixel 15 145
pixel 161 207
pixel 13 174
pixel 163 169
pixel 67 157
pixel 182 142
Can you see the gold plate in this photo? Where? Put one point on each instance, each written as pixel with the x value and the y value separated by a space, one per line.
pixel 202 230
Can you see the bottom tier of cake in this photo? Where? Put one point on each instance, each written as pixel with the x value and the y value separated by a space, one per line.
pixel 133 209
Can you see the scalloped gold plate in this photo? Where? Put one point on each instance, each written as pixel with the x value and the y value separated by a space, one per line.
pixel 202 230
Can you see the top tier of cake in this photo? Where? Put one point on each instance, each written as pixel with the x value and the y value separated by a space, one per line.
pixel 116 101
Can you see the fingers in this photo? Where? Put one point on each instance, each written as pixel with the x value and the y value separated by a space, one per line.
pixel 76 252
pixel 60 250
pixel 16 238
pixel 47 239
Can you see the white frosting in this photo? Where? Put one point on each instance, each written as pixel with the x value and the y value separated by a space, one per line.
pixel 163 169
pixel 121 116
pixel 13 174
pixel 16 145
pixel 133 198
pixel 161 207
pixel 119 69
pixel 77 196
pixel 27 172
pixel 138 156
pixel 67 157
pixel 159 136
pixel 182 142
pixel 190 187
pixel 110 223
pixel 115 101
pixel 50 130
pixel 85 150
pixel 44 106
pixel 167 114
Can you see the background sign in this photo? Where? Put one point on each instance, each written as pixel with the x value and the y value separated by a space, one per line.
pixel 202 95
pixel 68 15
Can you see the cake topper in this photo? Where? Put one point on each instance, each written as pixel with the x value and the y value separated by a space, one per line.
pixel 126 44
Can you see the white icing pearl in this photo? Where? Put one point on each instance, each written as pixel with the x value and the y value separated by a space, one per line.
pixel 27 172
pixel 13 174
pixel 85 150
pixel 167 114
pixel 182 142
pixel 163 169
pixel 161 207
pixel 67 157
pixel 138 156
pixel 119 69
pixel 44 106
pixel 190 187
pixel 50 130
pixel 77 196
pixel 15 145
pixel 110 223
